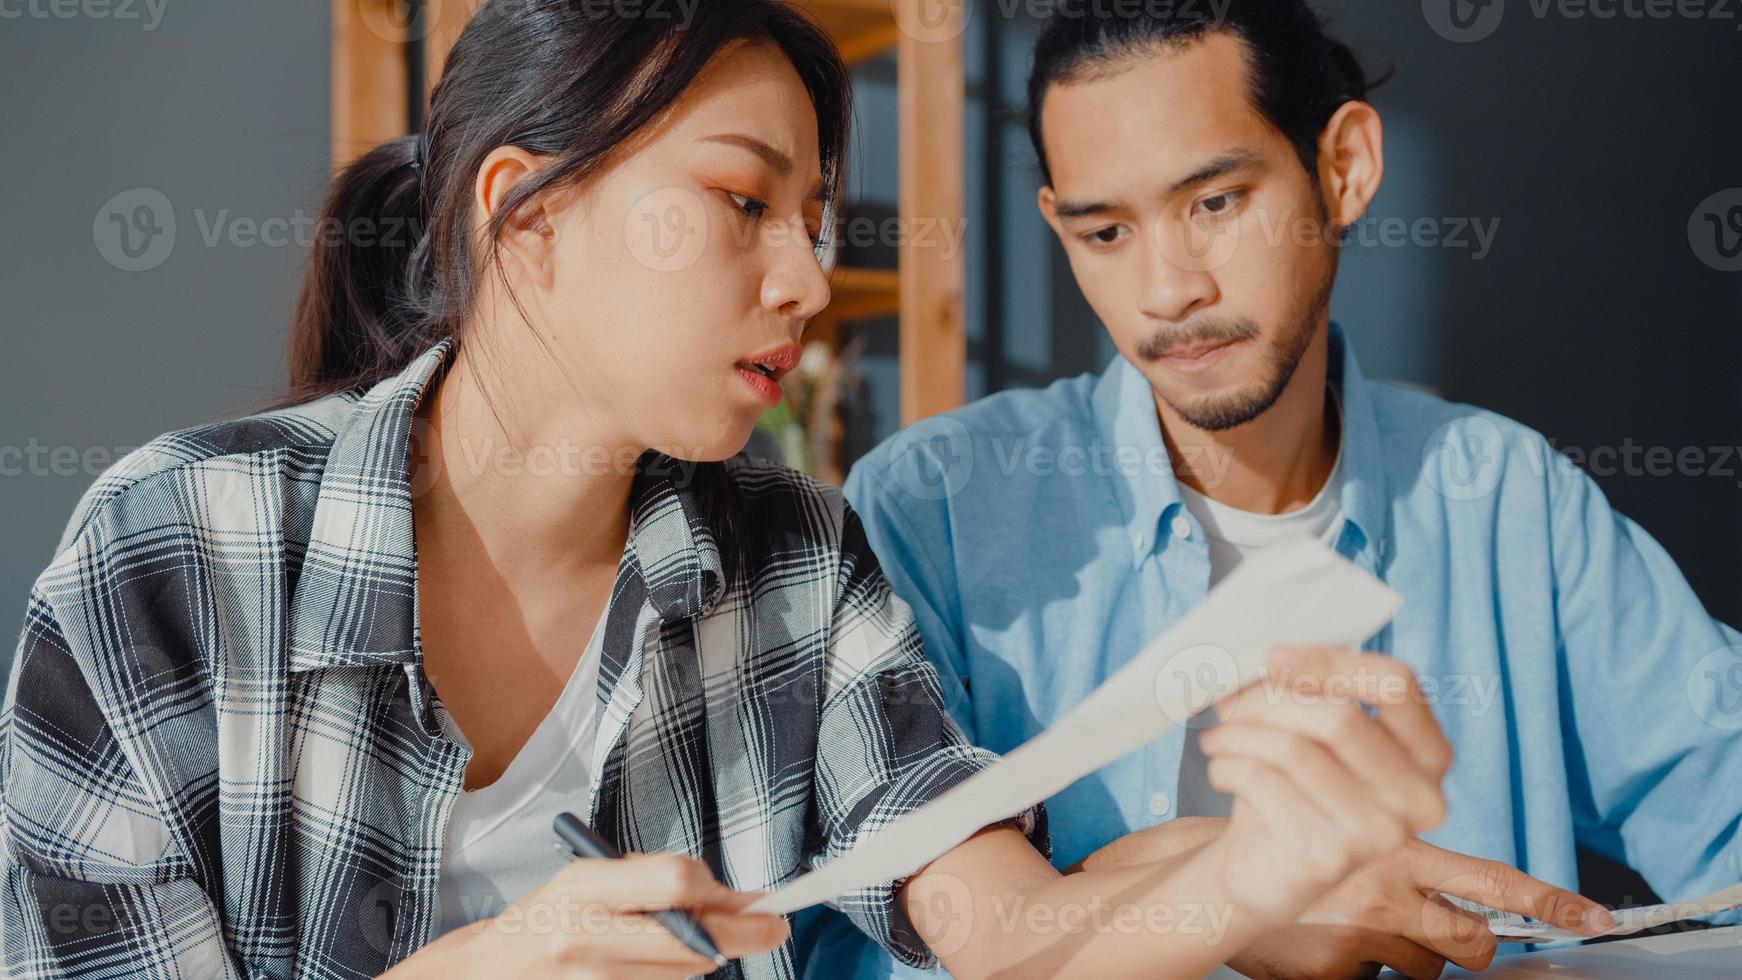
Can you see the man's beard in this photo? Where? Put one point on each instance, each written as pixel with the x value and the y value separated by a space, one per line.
pixel 1217 413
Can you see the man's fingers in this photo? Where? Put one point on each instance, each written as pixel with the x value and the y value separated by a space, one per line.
pixel 1501 886
pixel 1408 959
pixel 1370 678
pixel 1365 747
pixel 1274 799
pixel 1460 936
pixel 1313 770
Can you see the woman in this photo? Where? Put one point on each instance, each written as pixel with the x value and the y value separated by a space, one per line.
pixel 301 692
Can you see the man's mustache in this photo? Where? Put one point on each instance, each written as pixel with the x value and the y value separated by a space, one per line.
pixel 1174 339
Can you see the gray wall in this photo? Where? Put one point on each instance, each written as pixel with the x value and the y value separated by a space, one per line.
pixel 219 107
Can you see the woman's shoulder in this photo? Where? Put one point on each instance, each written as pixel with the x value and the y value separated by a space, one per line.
pixel 208 461
pixel 791 514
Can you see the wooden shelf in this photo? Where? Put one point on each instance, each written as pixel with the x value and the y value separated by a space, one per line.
pixel 862 29
pixel 860 294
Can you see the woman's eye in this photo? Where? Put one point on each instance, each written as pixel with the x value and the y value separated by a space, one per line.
pixel 749 205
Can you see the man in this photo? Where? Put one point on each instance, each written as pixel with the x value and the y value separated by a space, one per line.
pixel 1198 173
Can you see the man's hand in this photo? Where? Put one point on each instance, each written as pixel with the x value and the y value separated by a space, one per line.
pixel 1390 915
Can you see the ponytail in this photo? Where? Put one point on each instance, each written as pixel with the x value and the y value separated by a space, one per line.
pixel 361 315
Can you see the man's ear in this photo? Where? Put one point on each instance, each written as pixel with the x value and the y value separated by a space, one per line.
pixel 1351 161
pixel 529 237
pixel 1047 201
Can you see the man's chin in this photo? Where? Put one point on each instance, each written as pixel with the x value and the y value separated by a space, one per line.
pixel 1221 409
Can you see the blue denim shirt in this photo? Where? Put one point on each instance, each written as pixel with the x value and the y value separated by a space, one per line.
pixel 1040 538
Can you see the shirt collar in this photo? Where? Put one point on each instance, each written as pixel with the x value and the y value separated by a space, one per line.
pixel 355 601
pixel 1144 483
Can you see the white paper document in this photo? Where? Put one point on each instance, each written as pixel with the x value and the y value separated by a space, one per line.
pixel 1296 593
pixel 1517 928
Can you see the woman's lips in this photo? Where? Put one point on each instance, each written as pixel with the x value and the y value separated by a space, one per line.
pixel 766 389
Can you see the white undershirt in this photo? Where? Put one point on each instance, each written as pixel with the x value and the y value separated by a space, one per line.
pixel 498 844
pixel 1234 534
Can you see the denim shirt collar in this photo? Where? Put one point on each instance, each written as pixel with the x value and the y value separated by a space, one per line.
pixel 1148 494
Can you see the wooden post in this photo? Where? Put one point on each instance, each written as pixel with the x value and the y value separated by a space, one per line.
pixel 930 95
pixel 368 76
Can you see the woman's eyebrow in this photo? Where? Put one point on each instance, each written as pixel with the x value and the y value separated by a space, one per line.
pixel 779 162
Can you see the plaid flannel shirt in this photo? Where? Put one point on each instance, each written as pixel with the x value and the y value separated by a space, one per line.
pixel 221 756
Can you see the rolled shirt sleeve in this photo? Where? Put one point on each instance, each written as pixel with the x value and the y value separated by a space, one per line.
pixel 96 883
pixel 886 745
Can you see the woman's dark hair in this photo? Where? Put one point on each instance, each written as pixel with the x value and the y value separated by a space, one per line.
pixel 1298 76
pixel 395 268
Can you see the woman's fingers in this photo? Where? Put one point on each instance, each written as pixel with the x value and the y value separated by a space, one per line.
pixel 647 882
pixel 596 916
pixel 640 939
pixel 737 934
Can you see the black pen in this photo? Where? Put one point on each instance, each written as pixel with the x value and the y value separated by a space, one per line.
pixel 583 841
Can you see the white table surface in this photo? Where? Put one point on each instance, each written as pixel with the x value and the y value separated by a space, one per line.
pixel 1710 954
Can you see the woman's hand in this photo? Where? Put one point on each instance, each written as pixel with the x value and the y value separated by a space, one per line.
pixel 1321 787
pixel 589 920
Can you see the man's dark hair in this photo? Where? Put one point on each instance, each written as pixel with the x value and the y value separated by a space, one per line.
pixel 1298 76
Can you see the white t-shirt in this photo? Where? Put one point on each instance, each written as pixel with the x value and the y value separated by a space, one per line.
pixel 498 844
pixel 1234 534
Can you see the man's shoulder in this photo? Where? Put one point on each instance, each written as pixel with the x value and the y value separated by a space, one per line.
pixel 1460 450
pixel 942 450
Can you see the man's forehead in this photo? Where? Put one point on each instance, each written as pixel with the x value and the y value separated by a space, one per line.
pixel 1170 110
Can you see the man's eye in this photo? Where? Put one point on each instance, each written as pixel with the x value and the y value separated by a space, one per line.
pixel 1104 236
pixel 749 205
pixel 1220 204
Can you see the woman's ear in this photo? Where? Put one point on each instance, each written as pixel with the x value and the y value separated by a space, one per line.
pixel 529 236
pixel 1351 162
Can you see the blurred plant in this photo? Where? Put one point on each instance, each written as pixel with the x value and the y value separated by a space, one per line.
pixel 804 430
